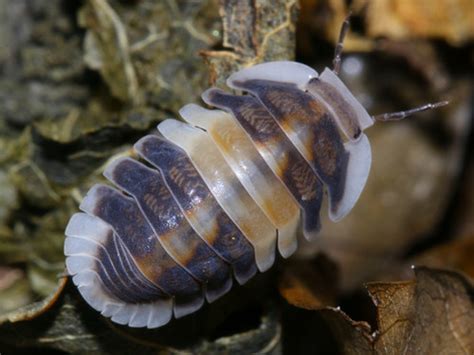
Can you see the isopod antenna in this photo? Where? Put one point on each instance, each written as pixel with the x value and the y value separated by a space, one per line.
pixel 400 115
pixel 336 63
pixel 384 117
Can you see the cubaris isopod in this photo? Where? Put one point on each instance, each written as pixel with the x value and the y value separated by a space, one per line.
pixel 215 197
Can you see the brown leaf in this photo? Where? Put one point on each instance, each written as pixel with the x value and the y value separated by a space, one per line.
pixel 416 19
pixel 435 314
pixel 456 254
pixel 352 337
pixel 395 307
pixel 15 290
pixel 432 314
pixel 34 310
pixel 309 285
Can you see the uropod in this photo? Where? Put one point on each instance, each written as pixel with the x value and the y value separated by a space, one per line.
pixel 211 200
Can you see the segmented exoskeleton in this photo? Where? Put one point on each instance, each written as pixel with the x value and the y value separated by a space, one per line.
pixel 213 198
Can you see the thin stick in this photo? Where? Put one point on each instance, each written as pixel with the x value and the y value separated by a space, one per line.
pixel 336 63
pixel 400 115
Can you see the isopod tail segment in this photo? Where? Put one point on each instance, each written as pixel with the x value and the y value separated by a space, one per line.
pixel 214 198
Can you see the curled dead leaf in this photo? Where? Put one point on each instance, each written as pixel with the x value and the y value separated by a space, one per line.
pixel 34 310
pixel 432 314
pixel 435 314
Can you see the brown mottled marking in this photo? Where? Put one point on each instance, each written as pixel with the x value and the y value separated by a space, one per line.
pixel 225 137
pixel 195 213
pixel 182 255
pixel 305 181
pixel 182 174
pixel 152 202
pixel 258 118
pixel 297 112
pixel 146 263
pixel 327 150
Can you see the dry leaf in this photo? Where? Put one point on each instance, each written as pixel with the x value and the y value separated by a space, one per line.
pixel 432 314
pixel 15 290
pixel 453 255
pixel 34 310
pixel 457 254
pixel 309 285
pixel 402 19
pixel 352 337
pixel 435 314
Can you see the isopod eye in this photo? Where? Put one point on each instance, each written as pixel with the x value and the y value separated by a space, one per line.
pixel 357 133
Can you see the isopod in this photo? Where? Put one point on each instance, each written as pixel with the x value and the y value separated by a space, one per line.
pixel 213 198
